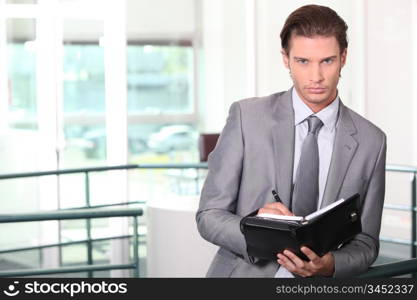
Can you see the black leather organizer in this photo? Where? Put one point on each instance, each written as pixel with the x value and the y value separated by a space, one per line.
pixel 326 230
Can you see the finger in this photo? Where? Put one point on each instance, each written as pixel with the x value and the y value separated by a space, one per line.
pixel 295 259
pixel 272 205
pixel 314 258
pixel 269 211
pixel 284 209
pixel 280 207
pixel 286 262
pixel 290 266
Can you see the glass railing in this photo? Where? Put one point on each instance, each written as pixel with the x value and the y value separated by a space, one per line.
pixel 86 238
pixel 411 208
pixel 71 215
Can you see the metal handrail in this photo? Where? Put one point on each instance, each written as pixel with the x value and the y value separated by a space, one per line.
pixel 105 205
pixel 202 165
pixel 71 215
pixel 400 168
pixel 62 270
pixel 400 207
pixel 397 241
pixel 392 269
pixel 63 244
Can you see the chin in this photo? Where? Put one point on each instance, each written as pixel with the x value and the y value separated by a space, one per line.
pixel 317 99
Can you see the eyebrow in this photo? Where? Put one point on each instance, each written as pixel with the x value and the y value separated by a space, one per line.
pixel 330 57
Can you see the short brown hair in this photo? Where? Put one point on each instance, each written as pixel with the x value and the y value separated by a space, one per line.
pixel 313 20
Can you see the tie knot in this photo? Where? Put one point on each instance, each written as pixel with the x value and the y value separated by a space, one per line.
pixel 314 124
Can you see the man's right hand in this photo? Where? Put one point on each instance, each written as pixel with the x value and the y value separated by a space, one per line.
pixel 275 208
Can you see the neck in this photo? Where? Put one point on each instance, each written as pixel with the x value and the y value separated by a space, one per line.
pixel 316 107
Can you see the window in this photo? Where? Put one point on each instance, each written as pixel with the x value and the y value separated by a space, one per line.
pixel 83 78
pixel 21 73
pixel 160 79
pixel 161 105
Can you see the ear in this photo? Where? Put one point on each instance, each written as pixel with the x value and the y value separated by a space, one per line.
pixel 343 57
pixel 285 59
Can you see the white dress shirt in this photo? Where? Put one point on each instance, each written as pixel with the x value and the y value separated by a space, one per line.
pixel 325 140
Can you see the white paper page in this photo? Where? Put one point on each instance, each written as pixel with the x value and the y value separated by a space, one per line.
pixel 323 210
pixel 281 217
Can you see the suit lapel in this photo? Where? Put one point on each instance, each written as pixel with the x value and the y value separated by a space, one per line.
pixel 343 150
pixel 283 140
pixel 283 135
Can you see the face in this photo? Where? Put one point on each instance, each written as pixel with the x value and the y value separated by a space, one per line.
pixel 315 64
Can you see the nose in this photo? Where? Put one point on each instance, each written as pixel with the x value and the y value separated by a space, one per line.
pixel 316 74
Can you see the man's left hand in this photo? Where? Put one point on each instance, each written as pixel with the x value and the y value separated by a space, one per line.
pixel 323 266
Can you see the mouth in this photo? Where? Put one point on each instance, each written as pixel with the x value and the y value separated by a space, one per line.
pixel 316 90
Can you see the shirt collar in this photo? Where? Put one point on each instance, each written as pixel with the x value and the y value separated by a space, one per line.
pixel 327 115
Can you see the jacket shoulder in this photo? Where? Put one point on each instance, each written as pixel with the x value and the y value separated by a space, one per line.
pixel 264 103
pixel 260 100
pixel 366 128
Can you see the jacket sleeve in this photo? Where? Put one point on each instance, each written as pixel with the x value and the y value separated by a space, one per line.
pixel 356 256
pixel 216 217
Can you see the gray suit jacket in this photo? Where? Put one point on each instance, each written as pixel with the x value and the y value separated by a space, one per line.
pixel 254 155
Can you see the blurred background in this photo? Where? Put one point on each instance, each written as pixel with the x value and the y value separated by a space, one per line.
pixel 88 83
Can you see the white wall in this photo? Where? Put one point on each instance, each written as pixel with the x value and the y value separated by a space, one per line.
pixel 156 18
pixel 145 19
pixel 390 98
pixel 376 82
pixel 389 75
pixel 223 63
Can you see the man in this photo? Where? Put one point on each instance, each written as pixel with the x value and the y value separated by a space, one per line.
pixel 305 144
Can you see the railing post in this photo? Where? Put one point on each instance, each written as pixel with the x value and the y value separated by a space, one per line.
pixel 413 216
pixel 135 246
pixel 88 224
pixel 196 180
pixel 414 219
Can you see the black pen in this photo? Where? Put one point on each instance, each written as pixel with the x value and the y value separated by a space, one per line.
pixel 276 197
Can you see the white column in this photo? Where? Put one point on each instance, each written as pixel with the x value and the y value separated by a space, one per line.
pixel 390 84
pixel 47 89
pixel 228 58
pixel 212 108
pixel 414 101
pixel 356 58
pixel 4 90
pixel 116 122
pixel 251 48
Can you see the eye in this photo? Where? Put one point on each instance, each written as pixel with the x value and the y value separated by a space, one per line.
pixel 328 61
pixel 302 61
